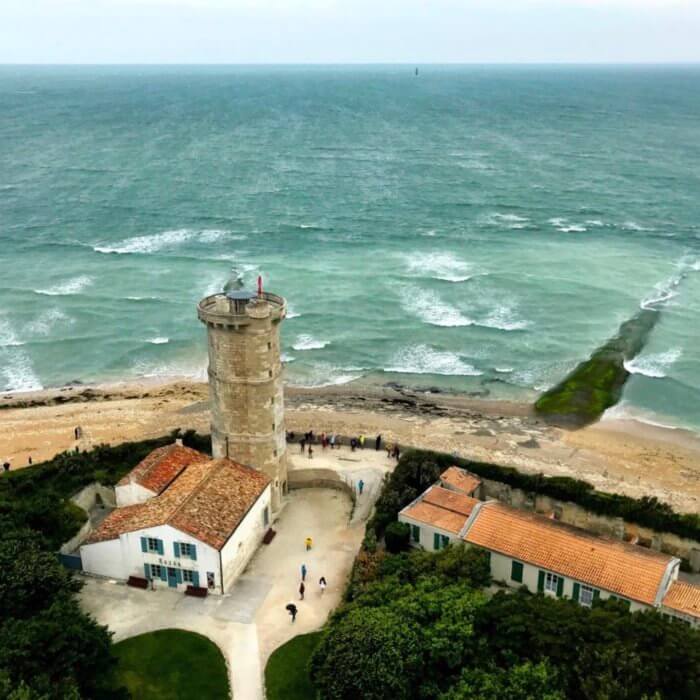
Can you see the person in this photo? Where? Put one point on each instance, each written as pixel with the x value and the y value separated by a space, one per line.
pixel 323 441
pixel 302 444
pixel 331 441
pixel 303 572
pixel 397 452
pixel 292 611
pixel 353 444
pixel 362 441
pixel 302 588
pixel 378 443
pixel 311 452
pixel 311 435
pixel 29 460
pixel 389 449
pixel 309 543
pixel 322 583
pixel 6 465
pixel 360 486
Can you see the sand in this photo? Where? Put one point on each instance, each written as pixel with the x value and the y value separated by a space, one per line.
pixel 617 455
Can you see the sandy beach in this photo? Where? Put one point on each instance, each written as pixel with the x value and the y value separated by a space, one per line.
pixel 615 455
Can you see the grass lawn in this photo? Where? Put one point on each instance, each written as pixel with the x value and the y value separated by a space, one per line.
pixel 171 664
pixel 287 673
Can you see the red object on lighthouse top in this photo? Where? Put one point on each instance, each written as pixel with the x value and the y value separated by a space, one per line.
pixel 260 289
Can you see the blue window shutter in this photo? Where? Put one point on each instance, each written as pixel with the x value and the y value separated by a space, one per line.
pixel 560 587
pixel 144 544
pixel 193 552
pixel 176 549
pixel 596 594
pixel 195 579
pixel 163 573
pixel 540 581
pixel 577 592
pixel 436 541
pixel 178 575
pixel 147 571
pixel 160 546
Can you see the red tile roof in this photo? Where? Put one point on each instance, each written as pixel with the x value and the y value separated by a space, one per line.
pixel 626 570
pixel 207 500
pixel 442 509
pixel 156 471
pixel 460 480
pixel 684 598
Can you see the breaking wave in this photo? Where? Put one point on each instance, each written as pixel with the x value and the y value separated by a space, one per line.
pixel 430 308
pixel 655 365
pixel 439 266
pixel 157 242
pixel 72 286
pixel 510 221
pixel 46 321
pixel 16 369
pixel 159 340
pixel 423 359
pixel 565 226
pixel 308 342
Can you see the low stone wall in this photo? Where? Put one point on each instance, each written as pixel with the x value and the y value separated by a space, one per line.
pixel 320 479
pixel 86 500
pixel 573 514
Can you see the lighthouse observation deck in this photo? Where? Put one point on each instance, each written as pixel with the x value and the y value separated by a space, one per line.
pixel 240 308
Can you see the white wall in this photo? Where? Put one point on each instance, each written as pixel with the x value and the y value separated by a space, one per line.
pixel 103 559
pixel 427 534
pixel 241 546
pixel 132 493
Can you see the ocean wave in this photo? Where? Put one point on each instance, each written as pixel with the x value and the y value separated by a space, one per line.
pixel 178 368
pixel 430 308
pixel 503 370
pixel 510 221
pixel 71 286
pixel 441 266
pixel 595 222
pixel 46 321
pixel 565 226
pixel 423 359
pixel 634 226
pixel 158 340
pixel 284 357
pixel 308 342
pixel 668 289
pixel 16 367
pixel 157 242
pixel 503 318
pixel 291 313
pixel 654 365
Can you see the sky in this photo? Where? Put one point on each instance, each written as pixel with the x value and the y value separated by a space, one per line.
pixel 349 31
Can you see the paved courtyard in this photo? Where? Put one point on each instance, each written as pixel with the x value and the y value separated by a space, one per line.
pixel 251 622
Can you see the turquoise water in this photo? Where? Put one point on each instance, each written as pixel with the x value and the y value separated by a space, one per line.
pixel 476 228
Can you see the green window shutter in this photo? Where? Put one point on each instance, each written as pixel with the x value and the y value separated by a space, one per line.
pixel 147 571
pixel 195 579
pixel 160 546
pixel 436 541
pixel 193 552
pixel 176 549
pixel 596 594
pixel 178 575
pixel 163 573
pixel 415 532
pixel 577 592
pixel 540 582
pixel 516 571
pixel 445 540
pixel 144 544
pixel 560 587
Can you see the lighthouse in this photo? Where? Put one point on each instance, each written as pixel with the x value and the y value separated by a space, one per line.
pixel 245 380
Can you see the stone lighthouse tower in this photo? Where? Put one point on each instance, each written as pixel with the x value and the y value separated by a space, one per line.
pixel 245 380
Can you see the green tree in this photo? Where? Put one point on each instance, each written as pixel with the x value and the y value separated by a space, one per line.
pixel 397 537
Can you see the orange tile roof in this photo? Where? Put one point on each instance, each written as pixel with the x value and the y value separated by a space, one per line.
pixel 156 471
pixel 441 508
pixel 683 597
pixel 207 500
pixel 620 568
pixel 460 479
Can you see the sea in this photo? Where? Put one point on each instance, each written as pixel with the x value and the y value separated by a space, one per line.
pixel 476 229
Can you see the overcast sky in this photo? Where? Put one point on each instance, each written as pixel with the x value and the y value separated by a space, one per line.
pixel 348 31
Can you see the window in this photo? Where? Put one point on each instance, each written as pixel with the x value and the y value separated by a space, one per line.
pixel 551 582
pixel 156 571
pixel 187 576
pixel 266 516
pixel 440 541
pixel 269 346
pixel 516 571
pixel 415 533
pixel 186 550
pixel 445 541
pixel 153 545
pixel 586 596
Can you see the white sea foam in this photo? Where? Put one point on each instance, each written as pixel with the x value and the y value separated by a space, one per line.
pixel 159 340
pixel 509 221
pixel 430 308
pixel 654 365
pixel 178 368
pixel 308 342
pixel 165 240
pixel 565 226
pixel 423 359
pixel 633 226
pixel 595 222
pixel 503 318
pixel 286 357
pixel 503 370
pixel 45 322
pixel 291 313
pixel 16 368
pixel 71 286
pixel 441 266
pixel 8 337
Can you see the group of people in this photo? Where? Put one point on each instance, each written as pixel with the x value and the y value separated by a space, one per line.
pixel 334 441
pixel 322 583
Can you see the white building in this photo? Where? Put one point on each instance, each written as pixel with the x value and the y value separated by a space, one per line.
pixel 549 557
pixel 183 519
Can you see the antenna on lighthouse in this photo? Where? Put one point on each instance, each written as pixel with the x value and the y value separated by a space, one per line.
pixel 260 289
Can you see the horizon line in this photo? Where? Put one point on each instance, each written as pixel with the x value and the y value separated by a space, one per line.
pixel 694 62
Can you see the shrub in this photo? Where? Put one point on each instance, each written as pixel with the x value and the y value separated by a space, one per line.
pixel 397 537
